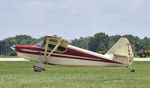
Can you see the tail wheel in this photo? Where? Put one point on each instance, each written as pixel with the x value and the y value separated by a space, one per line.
pixel 132 70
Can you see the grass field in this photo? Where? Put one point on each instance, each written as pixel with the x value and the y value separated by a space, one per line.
pixel 21 75
pixel 4 56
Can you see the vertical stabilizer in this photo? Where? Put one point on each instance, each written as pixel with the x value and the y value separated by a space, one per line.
pixel 121 51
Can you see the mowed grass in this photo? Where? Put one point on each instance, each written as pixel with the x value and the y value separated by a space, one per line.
pixel 4 56
pixel 21 75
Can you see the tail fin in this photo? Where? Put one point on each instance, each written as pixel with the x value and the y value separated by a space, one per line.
pixel 122 51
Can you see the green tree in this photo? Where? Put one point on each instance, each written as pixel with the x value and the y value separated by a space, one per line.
pixel 99 42
pixel 17 40
pixel 82 42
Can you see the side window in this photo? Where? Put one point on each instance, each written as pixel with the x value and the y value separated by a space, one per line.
pixel 50 46
pixel 59 49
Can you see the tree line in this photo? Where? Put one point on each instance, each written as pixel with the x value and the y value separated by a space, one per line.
pixel 102 42
pixel 17 40
pixel 99 42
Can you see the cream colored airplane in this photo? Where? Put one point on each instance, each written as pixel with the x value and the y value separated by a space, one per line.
pixel 57 51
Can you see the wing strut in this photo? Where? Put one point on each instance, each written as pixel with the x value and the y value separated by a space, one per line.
pixel 54 49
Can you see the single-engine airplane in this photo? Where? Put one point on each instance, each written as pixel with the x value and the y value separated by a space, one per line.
pixel 57 51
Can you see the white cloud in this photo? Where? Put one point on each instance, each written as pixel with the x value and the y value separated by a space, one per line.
pixel 137 3
pixel 134 5
pixel 80 6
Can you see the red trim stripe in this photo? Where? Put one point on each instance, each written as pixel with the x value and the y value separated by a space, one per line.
pixel 68 52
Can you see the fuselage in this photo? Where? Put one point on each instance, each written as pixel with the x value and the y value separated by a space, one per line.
pixel 73 56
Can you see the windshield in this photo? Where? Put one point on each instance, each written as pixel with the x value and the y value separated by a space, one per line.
pixel 40 43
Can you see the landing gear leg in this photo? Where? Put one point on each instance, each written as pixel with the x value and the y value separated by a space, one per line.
pixel 131 69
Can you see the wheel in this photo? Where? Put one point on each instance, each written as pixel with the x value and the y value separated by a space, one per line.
pixel 37 70
pixel 132 70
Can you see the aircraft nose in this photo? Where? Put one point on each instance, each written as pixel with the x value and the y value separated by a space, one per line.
pixel 13 47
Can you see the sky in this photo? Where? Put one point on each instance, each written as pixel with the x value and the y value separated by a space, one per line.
pixel 72 19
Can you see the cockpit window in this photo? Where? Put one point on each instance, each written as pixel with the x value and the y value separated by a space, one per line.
pixel 41 44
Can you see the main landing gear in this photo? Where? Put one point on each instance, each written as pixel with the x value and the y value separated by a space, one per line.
pixel 51 44
pixel 38 68
pixel 131 69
